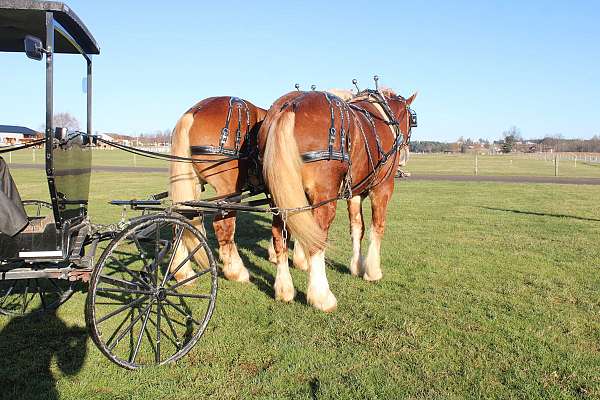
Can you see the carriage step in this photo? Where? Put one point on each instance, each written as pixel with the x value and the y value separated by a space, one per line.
pixel 78 244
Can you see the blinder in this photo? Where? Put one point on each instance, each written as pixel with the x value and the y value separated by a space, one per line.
pixel 412 117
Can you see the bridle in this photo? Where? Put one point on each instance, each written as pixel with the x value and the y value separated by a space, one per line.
pixel 377 97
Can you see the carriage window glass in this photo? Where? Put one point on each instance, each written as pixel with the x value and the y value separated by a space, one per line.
pixel 70 107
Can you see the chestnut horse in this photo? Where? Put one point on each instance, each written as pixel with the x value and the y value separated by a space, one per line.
pixel 315 148
pixel 220 132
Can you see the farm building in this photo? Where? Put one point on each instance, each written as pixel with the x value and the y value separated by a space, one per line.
pixel 11 135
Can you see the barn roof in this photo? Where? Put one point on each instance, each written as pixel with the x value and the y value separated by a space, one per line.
pixel 18 129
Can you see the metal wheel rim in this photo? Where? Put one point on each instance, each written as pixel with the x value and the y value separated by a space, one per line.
pixel 95 318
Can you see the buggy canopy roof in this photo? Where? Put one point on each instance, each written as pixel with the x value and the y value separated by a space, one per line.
pixel 19 18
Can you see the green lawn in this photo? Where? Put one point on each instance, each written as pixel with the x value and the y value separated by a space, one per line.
pixel 505 164
pixel 489 290
pixel 420 164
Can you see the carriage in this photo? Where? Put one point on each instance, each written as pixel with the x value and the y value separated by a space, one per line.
pixel 136 310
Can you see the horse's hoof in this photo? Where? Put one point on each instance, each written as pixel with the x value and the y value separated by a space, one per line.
pixel 241 275
pixel 373 276
pixel 357 266
pixel 183 275
pixel 324 302
pixel 284 291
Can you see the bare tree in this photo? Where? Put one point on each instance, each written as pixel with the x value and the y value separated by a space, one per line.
pixel 66 120
pixel 514 132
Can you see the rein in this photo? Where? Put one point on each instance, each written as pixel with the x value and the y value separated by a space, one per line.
pixel 161 156
pixel 21 146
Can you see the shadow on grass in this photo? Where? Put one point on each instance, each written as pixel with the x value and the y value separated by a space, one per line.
pixel 251 230
pixel 28 345
pixel 542 214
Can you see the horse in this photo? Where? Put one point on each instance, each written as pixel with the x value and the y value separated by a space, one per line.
pixel 315 148
pixel 220 133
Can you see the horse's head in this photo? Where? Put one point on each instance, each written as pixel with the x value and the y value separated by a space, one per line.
pixel 400 108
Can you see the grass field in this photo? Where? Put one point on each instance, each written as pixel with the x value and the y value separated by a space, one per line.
pixel 420 164
pixel 489 291
pixel 495 165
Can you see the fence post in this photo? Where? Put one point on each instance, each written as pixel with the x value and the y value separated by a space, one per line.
pixel 476 169
pixel 34 155
pixel 555 165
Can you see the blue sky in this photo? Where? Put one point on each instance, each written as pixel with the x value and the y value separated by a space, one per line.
pixel 479 67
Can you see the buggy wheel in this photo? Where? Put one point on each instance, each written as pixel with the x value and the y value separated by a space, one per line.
pixel 137 311
pixel 31 296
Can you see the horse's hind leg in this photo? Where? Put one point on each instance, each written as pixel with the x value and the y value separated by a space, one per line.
pixel 188 244
pixel 299 258
pixel 233 266
pixel 380 197
pixel 357 231
pixel 318 293
pixel 284 287
pixel 272 253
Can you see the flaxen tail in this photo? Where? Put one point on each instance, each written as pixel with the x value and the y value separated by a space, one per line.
pixel 183 177
pixel 182 187
pixel 282 169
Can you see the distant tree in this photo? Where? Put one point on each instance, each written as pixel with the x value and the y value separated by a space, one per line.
pixel 66 120
pixel 511 136
pixel 428 147
pixel 514 132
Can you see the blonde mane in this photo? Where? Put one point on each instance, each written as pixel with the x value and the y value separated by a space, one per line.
pixel 349 96
pixel 344 94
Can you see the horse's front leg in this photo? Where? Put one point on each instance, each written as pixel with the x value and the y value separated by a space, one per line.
pixel 233 266
pixel 284 287
pixel 380 197
pixel 357 231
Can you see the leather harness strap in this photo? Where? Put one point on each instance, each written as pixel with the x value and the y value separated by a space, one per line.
pixel 331 154
pixel 319 155
pixel 235 104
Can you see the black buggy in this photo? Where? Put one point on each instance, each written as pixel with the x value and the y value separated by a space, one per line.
pixel 137 312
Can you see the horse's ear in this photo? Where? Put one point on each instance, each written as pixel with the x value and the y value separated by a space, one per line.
pixel 411 98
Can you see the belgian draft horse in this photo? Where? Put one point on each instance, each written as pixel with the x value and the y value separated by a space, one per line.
pixel 313 146
pixel 220 131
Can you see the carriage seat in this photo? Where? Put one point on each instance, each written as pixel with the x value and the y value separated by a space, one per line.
pixel 38 224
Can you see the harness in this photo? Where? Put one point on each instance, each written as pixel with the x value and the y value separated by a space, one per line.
pixel 376 97
pixel 343 154
pixel 236 105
